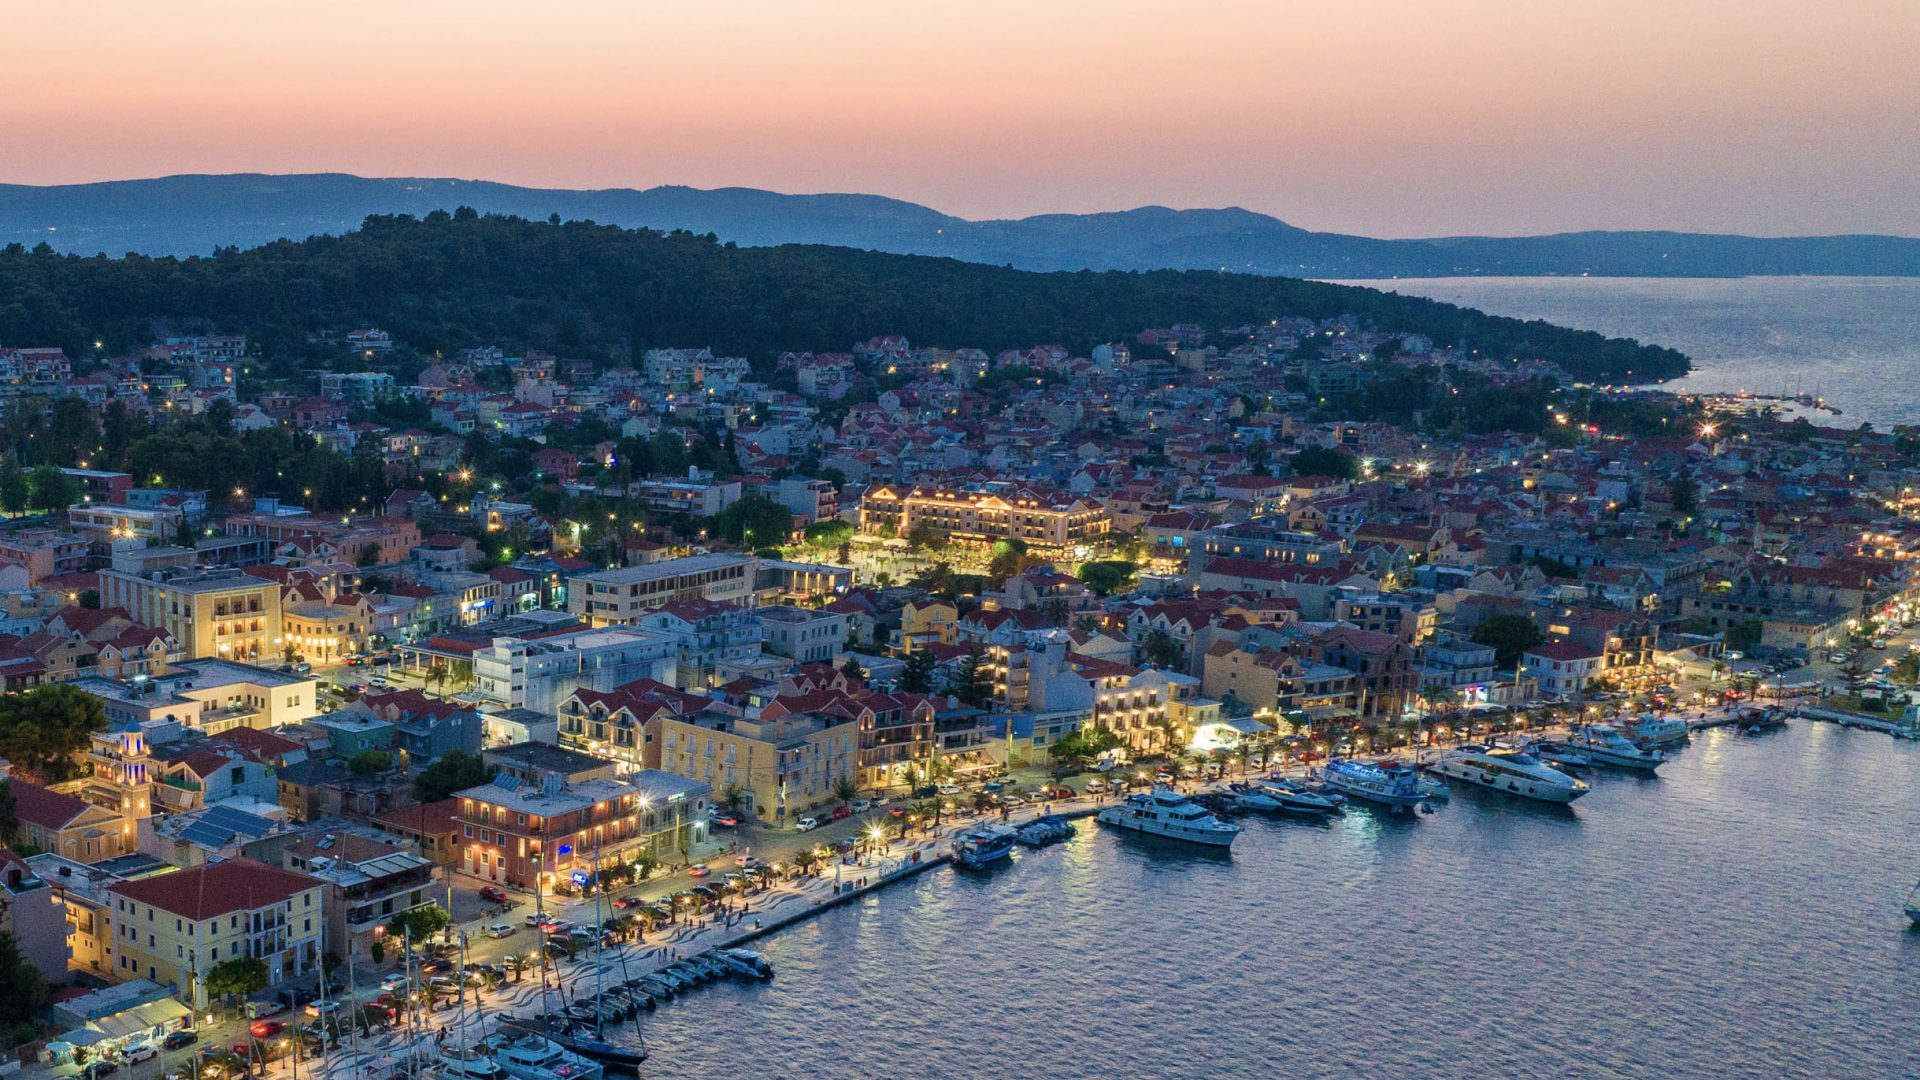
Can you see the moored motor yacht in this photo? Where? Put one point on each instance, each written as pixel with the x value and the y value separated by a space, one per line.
pixel 1648 731
pixel 1607 746
pixel 1291 798
pixel 984 844
pixel 1513 771
pixel 526 1056
pixel 1164 813
pixel 1384 783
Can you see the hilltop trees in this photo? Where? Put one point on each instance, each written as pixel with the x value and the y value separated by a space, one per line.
pixel 578 289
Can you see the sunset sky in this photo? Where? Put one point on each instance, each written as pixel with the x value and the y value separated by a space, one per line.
pixel 1372 116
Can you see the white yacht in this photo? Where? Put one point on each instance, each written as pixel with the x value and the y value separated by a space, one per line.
pixel 1163 813
pixel 1648 731
pixel 984 844
pixel 471 1063
pixel 526 1056
pixel 1607 746
pixel 1512 771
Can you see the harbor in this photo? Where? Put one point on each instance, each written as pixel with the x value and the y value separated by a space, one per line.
pixel 1399 879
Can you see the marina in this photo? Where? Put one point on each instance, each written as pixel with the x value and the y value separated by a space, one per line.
pixel 1408 930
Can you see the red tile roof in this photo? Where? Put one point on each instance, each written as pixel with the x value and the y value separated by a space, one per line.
pixel 216 888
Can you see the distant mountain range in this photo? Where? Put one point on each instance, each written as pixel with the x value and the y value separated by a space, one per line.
pixel 193 215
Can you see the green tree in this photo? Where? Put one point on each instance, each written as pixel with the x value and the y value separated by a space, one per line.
pixel 45 729
pixel 370 763
pixel 851 669
pixel 455 770
pixel 973 684
pixel 1685 494
pixel 1320 461
pixel 9 815
pixel 1009 558
pixel 421 922
pixel 845 789
pixel 922 537
pixel 1107 578
pixel 1162 650
pixel 1510 636
pixel 26 994
pixel 829 534
pixel 16 492
pixel 754 521
pixel 236 978
pixel 917 677
pixel 53 489
pixel 645 863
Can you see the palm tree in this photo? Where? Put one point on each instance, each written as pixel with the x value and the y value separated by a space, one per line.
pixel 806 859
pixel 515 964
pixel 845 789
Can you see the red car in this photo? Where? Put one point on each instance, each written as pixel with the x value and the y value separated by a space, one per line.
pixel 497 896
pixel 265 1029
pixel 725 821
pixel 842 811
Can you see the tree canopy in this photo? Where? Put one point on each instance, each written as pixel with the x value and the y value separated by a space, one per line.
pixel 455 770
pixel 1510 636
pixel 448 281
pixel 45 728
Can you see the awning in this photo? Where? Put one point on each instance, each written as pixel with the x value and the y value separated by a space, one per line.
pixel 85 1036
pixel 143 1018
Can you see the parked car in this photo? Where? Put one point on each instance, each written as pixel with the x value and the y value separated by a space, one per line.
pixel 806 824
pixel 842 812
pixel 501 930
pixel 258 1009
pixel 493 894
pixel 177 1039
pixel 861 806
pixel 1096 786
pixel 138 1052
pixel 98 1069
pixel 535 918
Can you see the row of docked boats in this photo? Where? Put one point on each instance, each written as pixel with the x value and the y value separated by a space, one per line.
pixel 985 844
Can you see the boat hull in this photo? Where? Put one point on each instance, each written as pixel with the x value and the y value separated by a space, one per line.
pixel 1541 790
pixel 1210 839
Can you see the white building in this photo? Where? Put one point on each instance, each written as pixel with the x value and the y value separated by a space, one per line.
pixel 622 595
pixel 537 673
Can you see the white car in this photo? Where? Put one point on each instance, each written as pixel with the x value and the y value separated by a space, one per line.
pixel 393 982
pixel 500 930
pixel 258 1009
pixel 806 824
pixel 861 806
pixel 139 1051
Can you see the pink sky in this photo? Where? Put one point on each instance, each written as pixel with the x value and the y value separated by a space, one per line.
pixel 1373 116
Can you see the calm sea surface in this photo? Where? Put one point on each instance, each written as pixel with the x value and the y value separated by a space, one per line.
pixel 1739 915
pixel 1855 341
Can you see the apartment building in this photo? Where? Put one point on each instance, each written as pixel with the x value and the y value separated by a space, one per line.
pixel 368 883
pixel 807 635
pixel 103 522
pixel 622 595
pixel 550 830
pixel 694 496
pixel 537 673
pixel 175 928
pixel 783 766
pixel 213 696
pixel 222 613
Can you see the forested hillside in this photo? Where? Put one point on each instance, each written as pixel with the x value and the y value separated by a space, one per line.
pixel 579 289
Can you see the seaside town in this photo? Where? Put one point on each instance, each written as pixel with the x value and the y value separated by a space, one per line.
pixel 420 711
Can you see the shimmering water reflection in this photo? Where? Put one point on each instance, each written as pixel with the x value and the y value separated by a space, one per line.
pixel 1739 915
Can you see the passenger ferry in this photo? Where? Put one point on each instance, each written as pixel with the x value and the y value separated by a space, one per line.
pixel 984 844
pixel 1163 813
pixel 1387 783
pixel 1511 771
pixel 1606 746
pixel 526 1056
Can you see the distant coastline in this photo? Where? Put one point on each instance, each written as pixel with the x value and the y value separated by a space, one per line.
pixel 196 214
